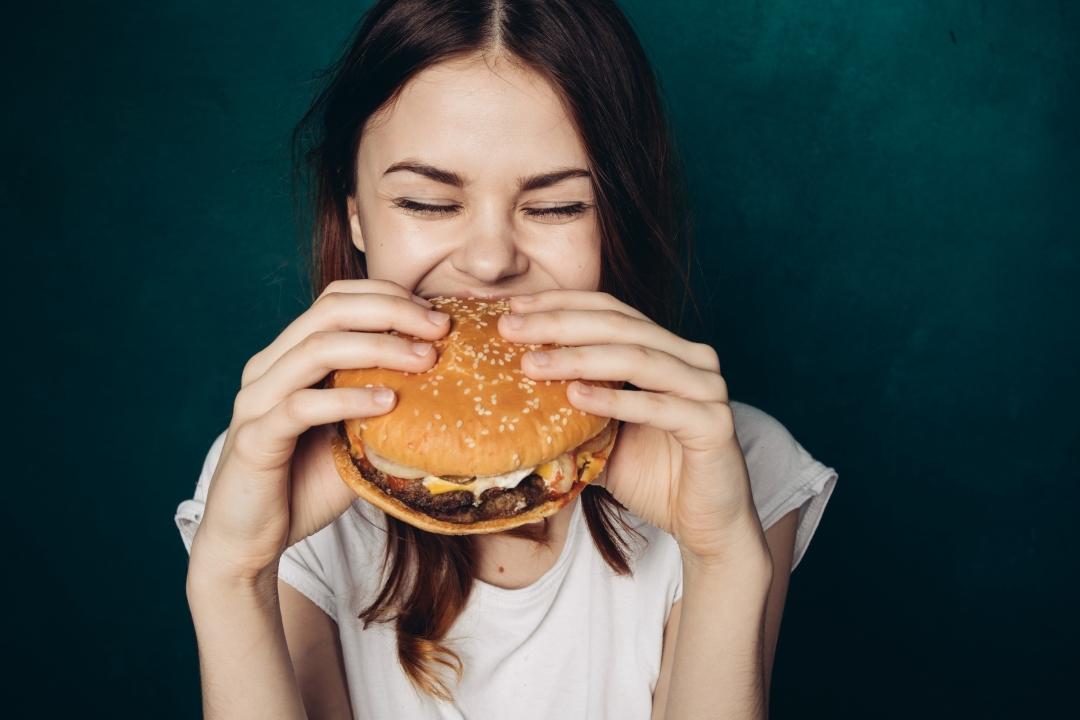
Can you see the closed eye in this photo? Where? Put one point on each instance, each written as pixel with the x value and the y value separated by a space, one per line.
pixel 558 211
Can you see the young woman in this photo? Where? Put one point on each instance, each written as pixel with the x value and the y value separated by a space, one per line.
pixel 497 148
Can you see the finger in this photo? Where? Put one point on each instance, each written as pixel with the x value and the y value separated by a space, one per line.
pixel 696 425
pixel 309 361
pixel 360 285
pixel 368 311
pixel 268 441
pixel 580 299
pixel 644 367
pixel 594 327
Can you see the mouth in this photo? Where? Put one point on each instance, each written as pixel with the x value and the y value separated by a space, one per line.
pixel 478 294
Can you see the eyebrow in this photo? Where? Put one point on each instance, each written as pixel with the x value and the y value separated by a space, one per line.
pixel 525 184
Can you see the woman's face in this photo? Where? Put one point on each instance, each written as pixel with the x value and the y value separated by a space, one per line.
pixel 490 145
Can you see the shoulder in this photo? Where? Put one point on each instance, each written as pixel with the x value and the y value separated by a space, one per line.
pixel 783 475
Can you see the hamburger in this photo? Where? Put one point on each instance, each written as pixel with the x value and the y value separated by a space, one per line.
pixel 473 445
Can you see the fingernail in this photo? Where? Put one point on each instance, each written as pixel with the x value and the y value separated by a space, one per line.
pixel 384 396
pixel 539 357
pixel 423 301
pixel 582 388
pixel 436 317
pixel 513 320
pixel 522 298
pixel 421 348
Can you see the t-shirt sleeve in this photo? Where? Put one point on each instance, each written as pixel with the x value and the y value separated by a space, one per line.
pixel 783 475
pixel 300 565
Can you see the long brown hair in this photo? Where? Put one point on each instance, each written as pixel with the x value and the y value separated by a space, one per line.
pixel 590 54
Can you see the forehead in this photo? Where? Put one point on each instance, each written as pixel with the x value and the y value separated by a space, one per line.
pixel 476 116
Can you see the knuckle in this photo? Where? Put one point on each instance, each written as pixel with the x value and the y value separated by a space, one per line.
pixel 619 320
pixel 637 356
pixel 334 286
pixel 252 370
pixel 245 441
pixel 708 355
pixel 383 343
pixel 316 342
pixel 295 406
pixel 331 301
pixel 720 386
pixel 724 418
pixel 242 404
pixel 656 400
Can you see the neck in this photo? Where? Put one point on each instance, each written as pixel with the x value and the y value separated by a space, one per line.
pixel 513 562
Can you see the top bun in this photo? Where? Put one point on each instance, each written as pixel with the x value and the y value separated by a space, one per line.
pixel 474 412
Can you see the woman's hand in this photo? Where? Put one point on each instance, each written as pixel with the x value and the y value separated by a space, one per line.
pixel 677 462
pixel 274 484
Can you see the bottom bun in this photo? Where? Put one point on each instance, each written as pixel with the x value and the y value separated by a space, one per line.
pixel 375 495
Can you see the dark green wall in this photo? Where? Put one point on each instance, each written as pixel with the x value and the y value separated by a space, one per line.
pixel 886 198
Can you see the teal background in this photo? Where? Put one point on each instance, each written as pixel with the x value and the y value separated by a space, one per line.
pixel 886 197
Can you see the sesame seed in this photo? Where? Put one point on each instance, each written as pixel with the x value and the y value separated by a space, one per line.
pixel 457 424
pixel 442 428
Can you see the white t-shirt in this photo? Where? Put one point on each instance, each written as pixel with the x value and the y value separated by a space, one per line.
pixel 579 642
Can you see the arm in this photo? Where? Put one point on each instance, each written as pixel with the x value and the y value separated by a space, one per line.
pixel 781 542
pixel 243 657
pixel 315 649
pixel 275 651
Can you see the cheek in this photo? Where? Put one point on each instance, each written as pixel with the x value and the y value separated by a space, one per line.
pixel 572 261
pixel 397 251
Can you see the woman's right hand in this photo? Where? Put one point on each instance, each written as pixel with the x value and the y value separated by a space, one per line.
pixel 275 483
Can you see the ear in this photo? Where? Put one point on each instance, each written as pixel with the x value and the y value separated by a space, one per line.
pixel 354 224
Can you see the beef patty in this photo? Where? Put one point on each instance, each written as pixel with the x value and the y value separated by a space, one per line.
pixel 457 505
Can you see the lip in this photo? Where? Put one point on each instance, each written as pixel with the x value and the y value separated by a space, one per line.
pixel 478 294
pixel 490 296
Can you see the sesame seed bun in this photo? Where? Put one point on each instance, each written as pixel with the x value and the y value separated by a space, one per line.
pixel 474 413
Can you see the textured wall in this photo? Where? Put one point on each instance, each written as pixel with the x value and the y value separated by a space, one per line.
pixel 886 199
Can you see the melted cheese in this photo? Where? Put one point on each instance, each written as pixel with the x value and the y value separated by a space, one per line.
pixel 590 465
pixel 558 474
pixel 437 485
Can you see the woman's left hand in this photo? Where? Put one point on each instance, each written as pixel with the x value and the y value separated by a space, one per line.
pixel 677 462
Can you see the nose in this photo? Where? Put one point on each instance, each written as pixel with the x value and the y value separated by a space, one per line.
pixel 488 251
